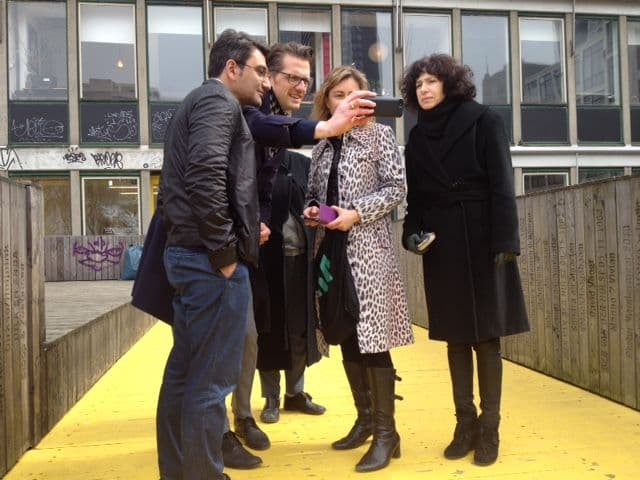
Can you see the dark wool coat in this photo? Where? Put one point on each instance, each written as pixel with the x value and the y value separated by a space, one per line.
pixel 270 293
pixel 465 195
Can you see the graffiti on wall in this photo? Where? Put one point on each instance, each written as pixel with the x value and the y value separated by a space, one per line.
pixel 9 159
pixel 37 129
pixel 73 155
pixel 98 254
pixel 116 127
pixel 108 160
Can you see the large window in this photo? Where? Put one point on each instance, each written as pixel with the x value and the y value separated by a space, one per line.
pixel 543 83
pixel 37 42
pixel 424 34
pixel 56 194
pixel 250 20
pixel 540 180
pixel 107 52
pixel 176 61
pixel 591 174
pixel 111 206
pixel 310 27
pixel 367 44
pixel 598 80
pixel 485 48
pixel 634 77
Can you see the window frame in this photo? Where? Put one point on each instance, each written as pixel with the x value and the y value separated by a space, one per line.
pixel 214 6
pixel 122 175
pixel 119 3
pixel 545 172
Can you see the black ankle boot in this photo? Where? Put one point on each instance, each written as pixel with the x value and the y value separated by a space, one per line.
pixel 386 441
pixel 464 439
pixel 363 427
pixel 487 446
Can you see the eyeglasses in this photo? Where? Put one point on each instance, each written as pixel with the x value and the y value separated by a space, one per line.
pixel 294 80
pixel 261 70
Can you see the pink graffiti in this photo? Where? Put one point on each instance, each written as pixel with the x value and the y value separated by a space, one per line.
pixel 98 254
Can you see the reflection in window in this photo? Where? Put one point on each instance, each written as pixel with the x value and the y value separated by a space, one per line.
pixel 425 34
pixel 367 44
pixel 107 52
pixel 592 174
pixel 634 61
pixel 37 36
pixel 111 206
pixel 56 193
pixel 542 61
pixel 597 66
pixel 250 20
pixel 312 28
pixel 544 180
pixel 175 46
pixel 485 49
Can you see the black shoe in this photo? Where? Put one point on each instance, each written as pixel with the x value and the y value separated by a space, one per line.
pixel 486 446
pixel 271 411
pixel 464 439
pixel 255 438
pixel 301 402
pixel 234 455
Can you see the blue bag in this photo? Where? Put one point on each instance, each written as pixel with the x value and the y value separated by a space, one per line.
pixel 131 261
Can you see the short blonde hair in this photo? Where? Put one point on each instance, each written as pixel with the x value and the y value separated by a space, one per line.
pixel 337 75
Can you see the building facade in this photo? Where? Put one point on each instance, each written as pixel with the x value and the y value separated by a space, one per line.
pixel 90 86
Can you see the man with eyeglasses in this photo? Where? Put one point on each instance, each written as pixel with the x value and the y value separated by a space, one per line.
pixel 286 338
pixel 208 204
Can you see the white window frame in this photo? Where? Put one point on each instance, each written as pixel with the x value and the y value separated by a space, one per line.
pixel 563 55
pixel 543 172
pixel 109 177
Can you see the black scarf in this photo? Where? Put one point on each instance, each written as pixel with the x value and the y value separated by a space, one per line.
pixel 433 122
pixel 275 109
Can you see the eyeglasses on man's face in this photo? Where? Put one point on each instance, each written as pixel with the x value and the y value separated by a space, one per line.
pixel 260 70
pixel 294 80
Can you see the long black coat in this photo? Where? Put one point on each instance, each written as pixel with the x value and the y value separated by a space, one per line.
pixel 465 195
pixel 270 294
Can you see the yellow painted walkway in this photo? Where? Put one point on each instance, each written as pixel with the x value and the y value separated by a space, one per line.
pixel 550 430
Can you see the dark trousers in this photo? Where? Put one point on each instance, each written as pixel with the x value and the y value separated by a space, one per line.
pixel 489 365
pixel 210 314
pixel 296 316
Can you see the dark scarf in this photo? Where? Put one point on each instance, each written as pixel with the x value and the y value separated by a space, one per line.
pixel 434 122
pixel 274 109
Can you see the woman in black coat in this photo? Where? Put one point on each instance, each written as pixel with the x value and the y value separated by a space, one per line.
pixel 460 186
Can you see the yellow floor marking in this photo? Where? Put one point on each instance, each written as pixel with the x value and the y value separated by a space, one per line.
pixel 550 430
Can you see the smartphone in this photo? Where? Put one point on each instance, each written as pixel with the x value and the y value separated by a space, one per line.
pixel 387 106
pixel 426 239
pixel 327 214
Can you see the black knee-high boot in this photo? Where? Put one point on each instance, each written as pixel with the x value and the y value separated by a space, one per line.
pixel 489 361
pixel 386 441
pixel 363 427
pixel 461 370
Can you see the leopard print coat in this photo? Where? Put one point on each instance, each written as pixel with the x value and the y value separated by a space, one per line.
pixel 371 180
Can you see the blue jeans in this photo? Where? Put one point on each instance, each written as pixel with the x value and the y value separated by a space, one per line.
pixel 203 366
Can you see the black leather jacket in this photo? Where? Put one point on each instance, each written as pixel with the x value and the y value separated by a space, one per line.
pixel 208 195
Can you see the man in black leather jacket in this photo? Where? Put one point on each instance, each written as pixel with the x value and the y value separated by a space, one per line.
pixel 210 210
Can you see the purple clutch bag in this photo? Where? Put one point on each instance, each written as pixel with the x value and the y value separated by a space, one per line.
pixel 327 214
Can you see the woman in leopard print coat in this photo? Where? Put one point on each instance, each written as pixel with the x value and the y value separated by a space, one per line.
pixel 362 177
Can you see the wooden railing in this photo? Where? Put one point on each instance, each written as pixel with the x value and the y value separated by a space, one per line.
pixel 21 319
pixel 86 258
pixel 580 269
pixel 39 382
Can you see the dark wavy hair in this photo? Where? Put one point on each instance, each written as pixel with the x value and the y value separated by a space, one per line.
pixel 457 79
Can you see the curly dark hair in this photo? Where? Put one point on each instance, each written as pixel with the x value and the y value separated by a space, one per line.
pixel 457 79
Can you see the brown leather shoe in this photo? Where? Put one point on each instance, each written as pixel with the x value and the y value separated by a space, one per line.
pixel 301 402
